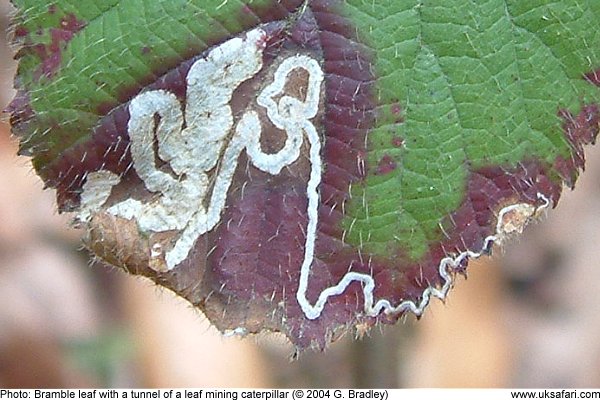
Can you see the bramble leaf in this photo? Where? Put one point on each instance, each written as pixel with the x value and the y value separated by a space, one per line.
pixel 305 166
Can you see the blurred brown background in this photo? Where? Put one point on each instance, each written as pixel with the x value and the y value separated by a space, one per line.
pixel 527 318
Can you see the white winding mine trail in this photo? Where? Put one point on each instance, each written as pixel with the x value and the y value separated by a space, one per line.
pixel 208 149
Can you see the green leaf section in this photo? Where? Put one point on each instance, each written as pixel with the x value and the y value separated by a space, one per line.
pixel 480 83
pixel 123 43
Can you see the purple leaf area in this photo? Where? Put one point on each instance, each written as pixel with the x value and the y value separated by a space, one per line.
pixel 50 54
pixel 580 130
pixel 244 274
